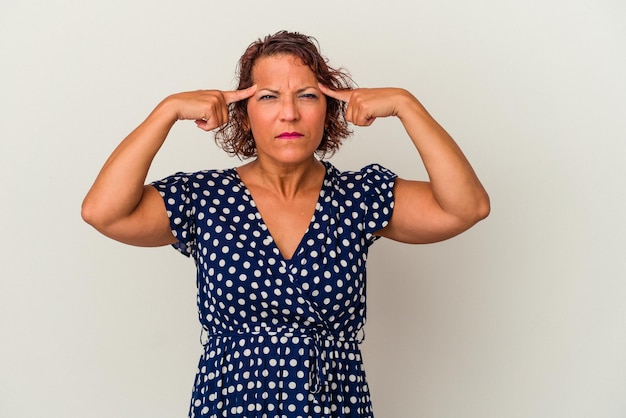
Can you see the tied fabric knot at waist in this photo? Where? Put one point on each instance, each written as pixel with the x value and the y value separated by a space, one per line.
pixel 322 344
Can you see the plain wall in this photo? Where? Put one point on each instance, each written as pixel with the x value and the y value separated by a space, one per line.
pixel 522 316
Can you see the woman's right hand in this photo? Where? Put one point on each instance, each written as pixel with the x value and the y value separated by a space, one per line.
pixel 208 108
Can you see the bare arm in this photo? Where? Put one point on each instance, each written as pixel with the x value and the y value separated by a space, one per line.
pixel 453 200
pixel 118 204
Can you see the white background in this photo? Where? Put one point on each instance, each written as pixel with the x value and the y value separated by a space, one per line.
pixel 522 316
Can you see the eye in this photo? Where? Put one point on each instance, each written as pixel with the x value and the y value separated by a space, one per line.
pixel 308 96
pixel 267 97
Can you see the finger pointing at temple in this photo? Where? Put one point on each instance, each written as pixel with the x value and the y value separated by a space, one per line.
pixel 343 95
pixel 238 95
pixel 359 110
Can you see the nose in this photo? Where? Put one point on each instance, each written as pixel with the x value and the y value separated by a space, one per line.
pixel 289 109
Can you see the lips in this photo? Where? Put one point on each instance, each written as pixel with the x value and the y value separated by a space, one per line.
pixel 290 135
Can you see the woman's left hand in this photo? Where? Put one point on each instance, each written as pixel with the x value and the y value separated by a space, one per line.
pixel 365 105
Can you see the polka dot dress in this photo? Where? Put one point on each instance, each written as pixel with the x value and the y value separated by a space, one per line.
pixel 281 335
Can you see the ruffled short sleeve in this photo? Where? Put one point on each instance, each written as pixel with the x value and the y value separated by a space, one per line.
pixel 378 199
pixel 178 197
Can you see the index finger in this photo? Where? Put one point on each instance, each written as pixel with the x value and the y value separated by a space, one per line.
pixel 238 95
pixel 343 95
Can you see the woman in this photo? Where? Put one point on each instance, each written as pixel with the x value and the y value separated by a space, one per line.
pixel 280 243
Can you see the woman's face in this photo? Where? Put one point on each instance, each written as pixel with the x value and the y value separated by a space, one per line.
pixel 287 113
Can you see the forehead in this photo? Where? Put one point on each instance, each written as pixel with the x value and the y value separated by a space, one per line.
pixel 280 69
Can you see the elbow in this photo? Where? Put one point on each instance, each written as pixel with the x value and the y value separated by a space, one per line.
pixel 475 212
pixel 91 212
pixel 88 212
pixel 482 208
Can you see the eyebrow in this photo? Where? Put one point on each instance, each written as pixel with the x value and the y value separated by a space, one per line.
pixel 300 90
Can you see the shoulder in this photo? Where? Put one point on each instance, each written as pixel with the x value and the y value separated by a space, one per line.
pixel 366 177
pixel 373 169
pixel 198 179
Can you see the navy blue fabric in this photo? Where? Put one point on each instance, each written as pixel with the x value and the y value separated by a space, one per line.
pixel 282 334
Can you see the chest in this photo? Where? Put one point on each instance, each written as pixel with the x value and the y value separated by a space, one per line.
pixel 287 220
pixel 245 275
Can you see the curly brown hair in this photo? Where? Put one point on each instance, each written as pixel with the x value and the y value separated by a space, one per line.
pixel 236 138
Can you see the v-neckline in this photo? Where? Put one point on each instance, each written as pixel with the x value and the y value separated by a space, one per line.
pixel 264 226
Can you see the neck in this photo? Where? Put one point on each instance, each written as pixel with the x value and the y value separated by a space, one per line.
pixel 285 180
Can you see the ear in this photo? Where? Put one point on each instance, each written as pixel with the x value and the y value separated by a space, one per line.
pixel 327 118
pixel 245 124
